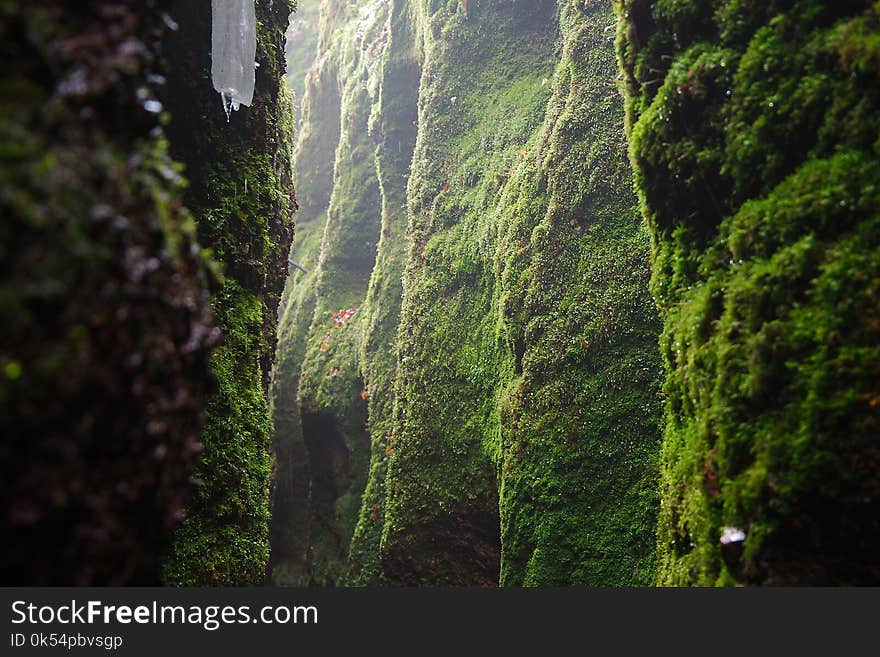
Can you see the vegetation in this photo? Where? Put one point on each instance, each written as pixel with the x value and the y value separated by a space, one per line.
pixel 240 177
pixel 106 330
pixel 504 404
pixel 319 385
pixel 141 295
pixel 753 132
pixel 582 293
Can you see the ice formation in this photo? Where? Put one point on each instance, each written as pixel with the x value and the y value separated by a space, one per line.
pixel 233 50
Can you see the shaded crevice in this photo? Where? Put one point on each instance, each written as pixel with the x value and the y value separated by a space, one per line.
pixel 462 548
pixel 331 478
pixel 328 456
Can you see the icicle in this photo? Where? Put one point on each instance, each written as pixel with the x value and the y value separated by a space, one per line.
pixel 233 50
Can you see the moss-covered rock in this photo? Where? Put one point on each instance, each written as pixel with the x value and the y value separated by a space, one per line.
pixel 754 137
pixel 242 196
pixel 579 414
pixel 528 375
pixel 319 386
pixel 106 327
pixel 394 130
pixel 506 345
pixel 291 493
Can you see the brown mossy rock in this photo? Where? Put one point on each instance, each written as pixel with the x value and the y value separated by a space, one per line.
pixel 106 327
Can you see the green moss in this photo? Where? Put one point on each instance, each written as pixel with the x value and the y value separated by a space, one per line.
pixel 756 156
pixel 241 192
pixel 527 338
pixel 321 386
pixel 314 159
pixel 226 543
pixel 394 129
pixel 511 391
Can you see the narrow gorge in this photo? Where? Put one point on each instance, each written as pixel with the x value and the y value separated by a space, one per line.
pixel 481 302
pixel 525 293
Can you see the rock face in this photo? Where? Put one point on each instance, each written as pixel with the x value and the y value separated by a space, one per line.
pixel 115 318
pixel 753 131
pixel 106 325
pixel 322 444
pixel 241 194
pixel 301 46
pixel 471 361
pixel 467 374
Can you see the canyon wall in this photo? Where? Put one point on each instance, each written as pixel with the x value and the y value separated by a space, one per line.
pixel 239 169
pixel 753 132
pixel 472 374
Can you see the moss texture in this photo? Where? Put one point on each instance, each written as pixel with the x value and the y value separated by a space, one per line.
pixel 527 384
pixel 318 386
pixel 506 345
pixel 754 136
pixel 394 129
pixel 242 196
pixel 291 494
pixel 579 412
pixel 106 326
pixel 300 49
